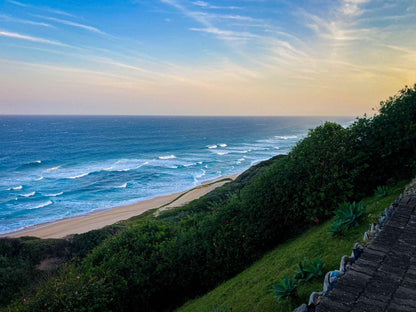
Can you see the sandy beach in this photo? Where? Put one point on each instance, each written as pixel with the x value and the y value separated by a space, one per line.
pixel 99 219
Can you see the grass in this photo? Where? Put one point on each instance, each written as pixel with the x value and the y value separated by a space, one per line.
pixel 251 290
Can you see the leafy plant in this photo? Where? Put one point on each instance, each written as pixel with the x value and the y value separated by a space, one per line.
pixel 381 192
pixel 315 269
pixel 338 228
pixel 307 270
pixel 348 216
pixel 287 287
pixel 301 273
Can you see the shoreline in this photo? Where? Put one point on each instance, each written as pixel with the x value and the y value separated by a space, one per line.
pixel 98 219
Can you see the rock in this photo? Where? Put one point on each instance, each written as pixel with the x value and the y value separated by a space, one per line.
pixel 315 298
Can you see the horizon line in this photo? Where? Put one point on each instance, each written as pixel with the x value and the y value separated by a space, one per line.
pixel 157 115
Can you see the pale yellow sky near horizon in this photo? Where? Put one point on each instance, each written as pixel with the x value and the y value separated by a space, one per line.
pixel 338 58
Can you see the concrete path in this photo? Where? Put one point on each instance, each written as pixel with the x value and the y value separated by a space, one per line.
pixel 384 277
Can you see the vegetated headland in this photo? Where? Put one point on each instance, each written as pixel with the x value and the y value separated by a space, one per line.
pixel 156 263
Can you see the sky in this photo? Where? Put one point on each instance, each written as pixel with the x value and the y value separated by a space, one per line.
pixel 176 57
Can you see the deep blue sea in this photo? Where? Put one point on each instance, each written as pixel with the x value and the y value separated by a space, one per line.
pixel 57 167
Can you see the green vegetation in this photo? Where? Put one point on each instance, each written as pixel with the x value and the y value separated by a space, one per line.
pixel 252 290
pixel 347 216
pixel 287 287
pixel 156 263
pixel 305 271
pixel 314 269
pixel 218 309
pixel 381 191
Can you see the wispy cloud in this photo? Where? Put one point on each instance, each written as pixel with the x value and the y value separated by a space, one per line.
pixel 206 5
pixel 59 12
pixel 54 11
pixel 70 23
pixel 226 34
pixel 22 21
pixel 30 38
pixel 352 7
pixel 17 3
pixel 207 20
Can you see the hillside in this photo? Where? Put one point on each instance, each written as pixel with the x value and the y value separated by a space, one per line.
pixel 252 290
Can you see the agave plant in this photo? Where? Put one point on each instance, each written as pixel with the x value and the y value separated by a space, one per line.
pixel 287 288
pixel 315 269
pixel 350 214
pixel 338 228
pixel 381 191
pixel 300 273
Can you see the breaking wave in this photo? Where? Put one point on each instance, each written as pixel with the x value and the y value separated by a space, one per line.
pixel 79 176
pixel 49 202
pixel 167 157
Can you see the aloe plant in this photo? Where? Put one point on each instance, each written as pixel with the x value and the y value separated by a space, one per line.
pixel 381 191
pixel 300 273
pixel 338 228
pixel 348 215
pixel 315 269
pixel 287 288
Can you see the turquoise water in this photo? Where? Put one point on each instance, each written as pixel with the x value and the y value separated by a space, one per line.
pixel 58 167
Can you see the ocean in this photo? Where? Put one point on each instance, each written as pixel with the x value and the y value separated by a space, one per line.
pixel 54 167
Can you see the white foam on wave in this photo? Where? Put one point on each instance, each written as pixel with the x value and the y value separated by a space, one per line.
pixel 124 165
pixel 240 161
pixel 28 195
pixel 193 164
pixel 286 137
pixel 135 168
pixel 277 147
pixel 79 176
pixel 31 163
pixel 201 175
pixel 16 188
pixel 53 168
pixel 49 202
pixel 241 151
pixel 39 179
pixel 167 157
pixel 122 186
pixel 54 195
pixel 212 146
pixel 222 153
pixel 223 145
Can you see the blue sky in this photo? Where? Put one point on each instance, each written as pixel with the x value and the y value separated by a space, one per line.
pixel 251 57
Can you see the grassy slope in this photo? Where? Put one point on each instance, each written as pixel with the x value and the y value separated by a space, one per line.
pixel 252 289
